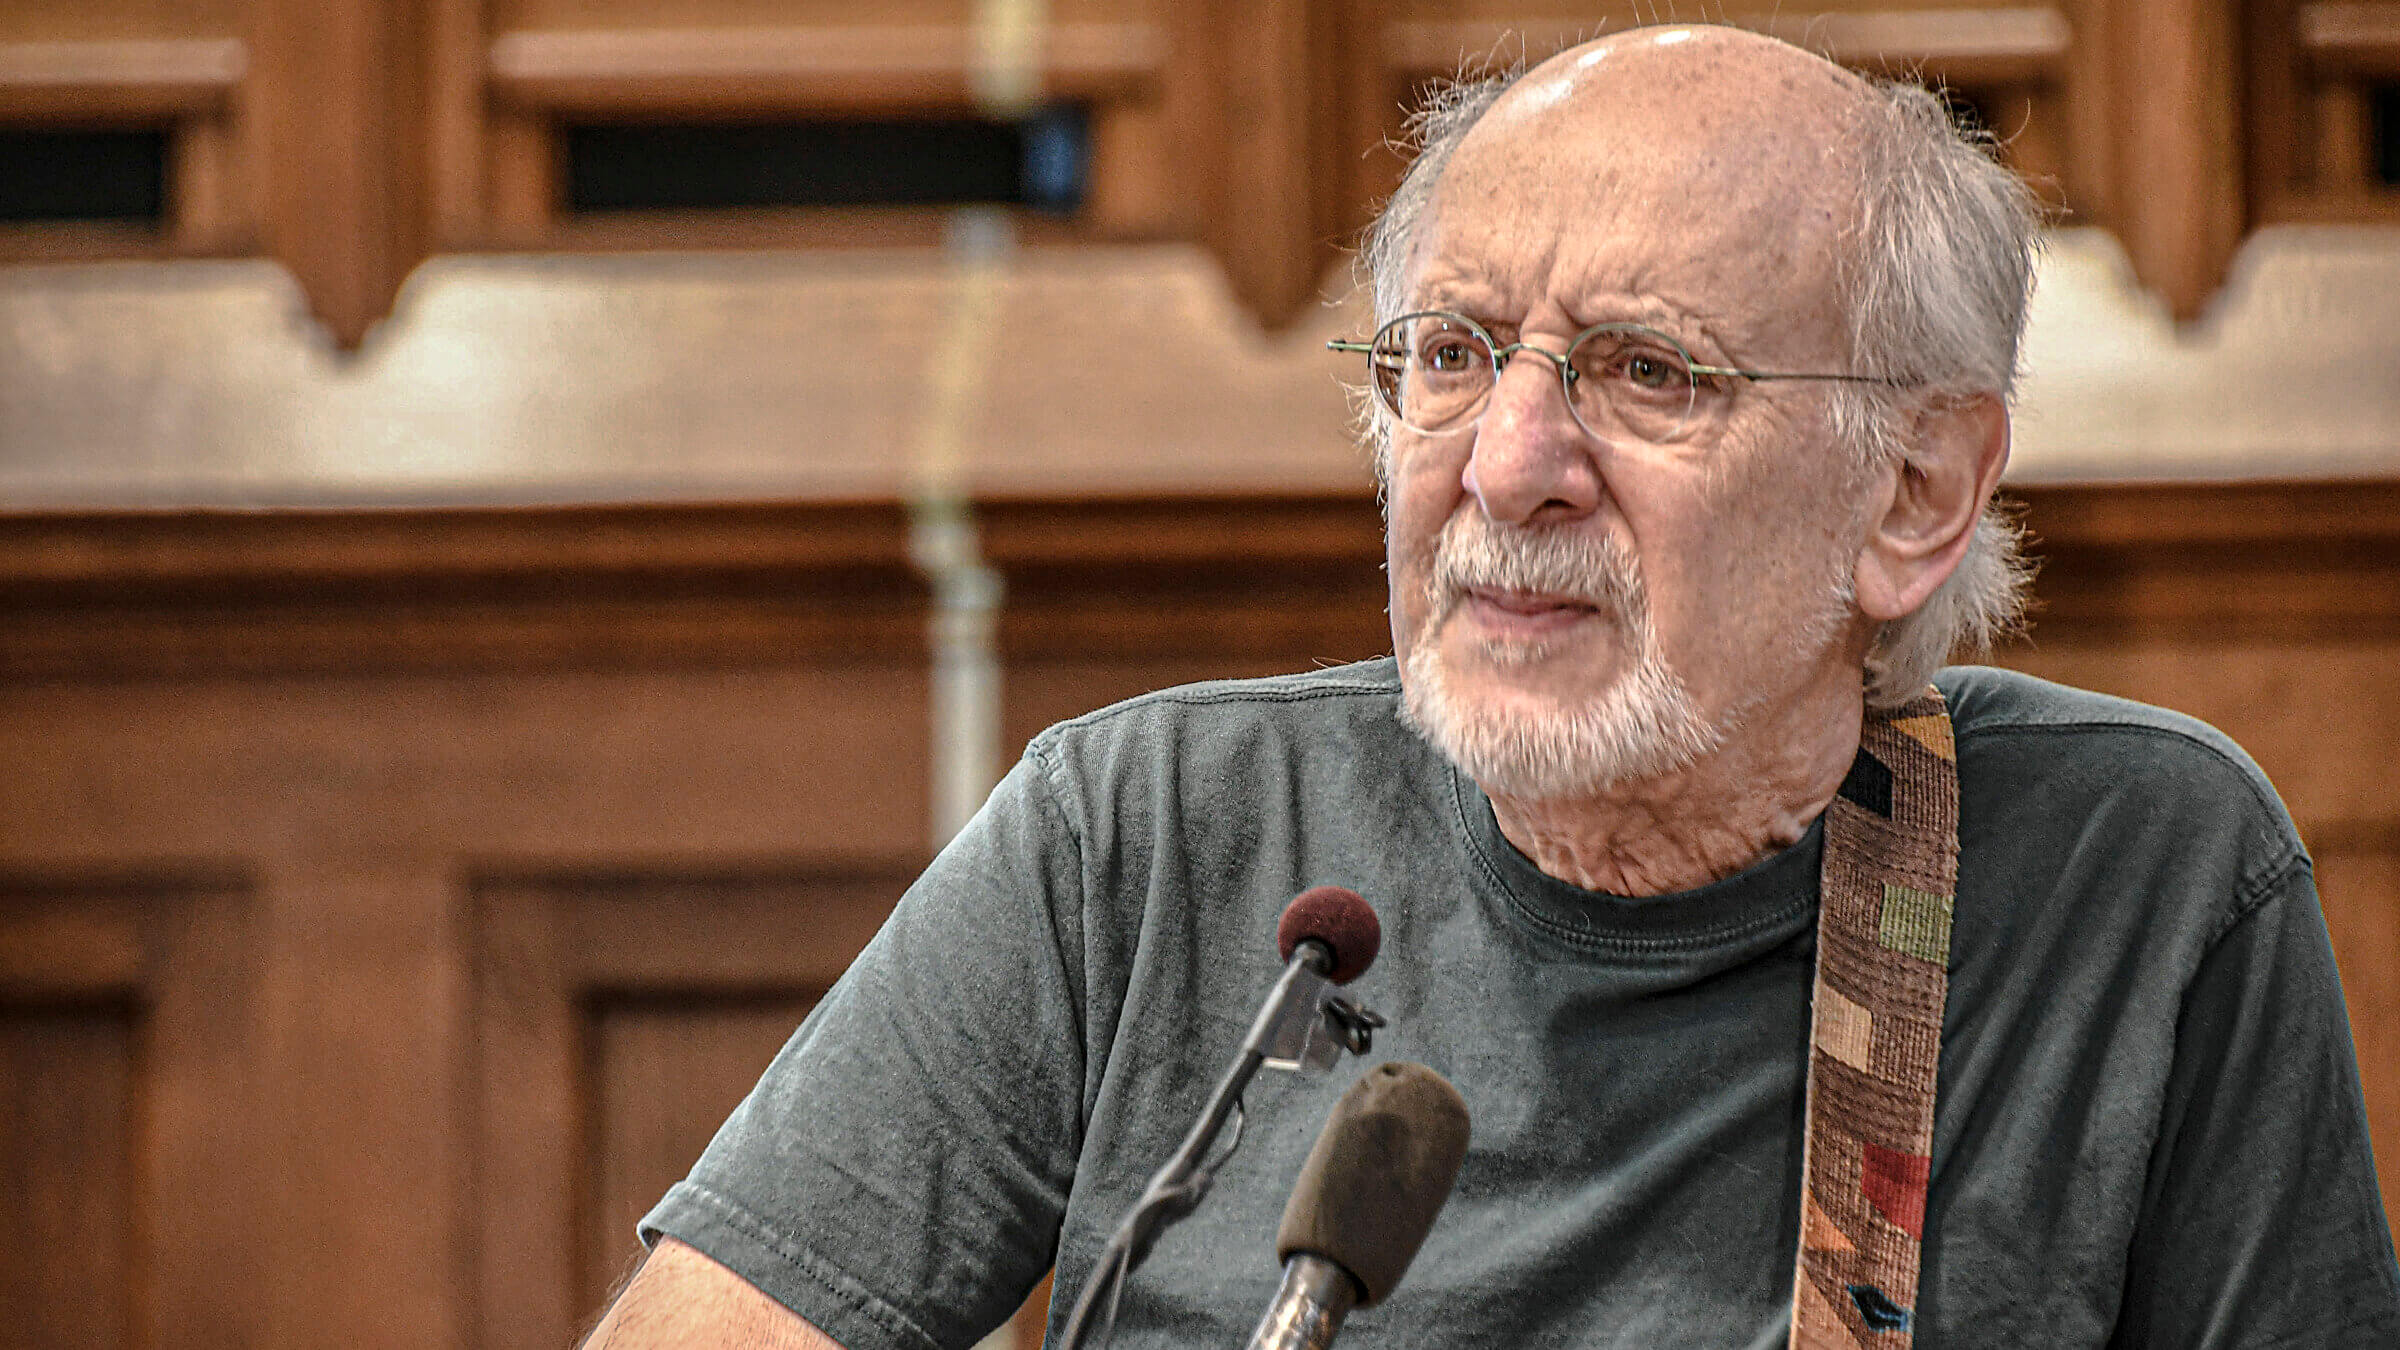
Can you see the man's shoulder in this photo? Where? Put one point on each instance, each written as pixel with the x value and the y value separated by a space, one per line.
pixel 1214 755
pixel 1985 701
pixel 1368 687
pixel 2080 750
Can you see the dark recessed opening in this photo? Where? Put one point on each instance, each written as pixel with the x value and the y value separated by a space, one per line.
pixel 2384 100
pixel 82 175
pixel 1038 162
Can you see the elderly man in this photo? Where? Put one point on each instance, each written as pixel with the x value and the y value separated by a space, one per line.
pixel 1689 399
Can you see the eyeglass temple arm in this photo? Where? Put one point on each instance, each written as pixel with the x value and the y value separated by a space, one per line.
pixel 1345 345
pixel 1758 375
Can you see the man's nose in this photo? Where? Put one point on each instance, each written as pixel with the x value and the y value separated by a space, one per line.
pixel 1531 460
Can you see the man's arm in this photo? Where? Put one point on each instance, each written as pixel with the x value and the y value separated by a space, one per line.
pixel 680 1298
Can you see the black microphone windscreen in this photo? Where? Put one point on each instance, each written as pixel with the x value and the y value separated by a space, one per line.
pixel 1378 1175
pixel 1342 920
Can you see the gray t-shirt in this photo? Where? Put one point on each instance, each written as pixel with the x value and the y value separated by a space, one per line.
pixel 2149 1129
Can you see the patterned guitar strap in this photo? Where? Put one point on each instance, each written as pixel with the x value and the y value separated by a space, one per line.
pixel 1883 950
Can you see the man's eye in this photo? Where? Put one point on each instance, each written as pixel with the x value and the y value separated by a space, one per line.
pixel 1653 372
pixel 1449 355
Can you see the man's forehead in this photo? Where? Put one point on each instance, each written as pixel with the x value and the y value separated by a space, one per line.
pixel 1738 153
pixel 1703 76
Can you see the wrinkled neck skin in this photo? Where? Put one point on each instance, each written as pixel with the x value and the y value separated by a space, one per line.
pixel 1751 798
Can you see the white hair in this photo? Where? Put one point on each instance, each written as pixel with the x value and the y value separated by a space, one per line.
pixel 1936 288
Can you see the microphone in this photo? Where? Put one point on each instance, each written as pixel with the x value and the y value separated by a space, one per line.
pixel 1340 921
pixel 1366 1197
pixel 1328 934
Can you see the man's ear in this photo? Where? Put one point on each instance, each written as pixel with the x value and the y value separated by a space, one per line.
pixel 1927 510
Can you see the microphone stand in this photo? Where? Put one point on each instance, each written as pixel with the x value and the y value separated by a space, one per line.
pixel 1299 1026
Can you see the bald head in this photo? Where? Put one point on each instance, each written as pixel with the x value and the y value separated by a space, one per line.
pixel 1704 175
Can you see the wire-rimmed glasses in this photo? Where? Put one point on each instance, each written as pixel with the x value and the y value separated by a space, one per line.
pixel 1434 371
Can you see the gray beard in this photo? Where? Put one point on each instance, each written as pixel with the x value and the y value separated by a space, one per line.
pixel 1643 725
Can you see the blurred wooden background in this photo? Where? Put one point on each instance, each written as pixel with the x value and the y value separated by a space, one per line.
pixel 395 893
pixel 350 139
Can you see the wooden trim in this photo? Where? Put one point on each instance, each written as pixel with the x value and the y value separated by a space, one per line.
pixel 120 81
pixel 845 68
pixel 182 952
pixel 2367 206
pixel 2134 515
pixel 1241 579
pixel 133 593
pixel 2352 39
pixel 1034 533
pixel 324 549
pixel 458 190
pixel 97 554
pixel 2283 560
pixel 2180 201
pixel 775 227
pixel 84 241
pixel 1972 46
pixel 183 592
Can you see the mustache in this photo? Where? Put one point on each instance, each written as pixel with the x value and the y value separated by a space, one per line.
pixel 1474 553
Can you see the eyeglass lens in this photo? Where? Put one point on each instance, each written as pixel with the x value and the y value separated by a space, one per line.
pixel 1435 372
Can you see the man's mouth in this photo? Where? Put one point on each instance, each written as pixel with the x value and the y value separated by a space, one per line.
pixel 1505 612
pixel 1528 603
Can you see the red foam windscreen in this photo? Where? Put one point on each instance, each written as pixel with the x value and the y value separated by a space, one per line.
pixel 1338 917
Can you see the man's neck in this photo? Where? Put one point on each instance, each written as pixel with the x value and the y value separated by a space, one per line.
pixel 1750 798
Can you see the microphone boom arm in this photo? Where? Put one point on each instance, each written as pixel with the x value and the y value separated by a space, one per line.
pixel 1298 1027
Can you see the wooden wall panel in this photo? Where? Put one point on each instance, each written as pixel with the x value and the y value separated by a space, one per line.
pixel 127 1149
pixel 533 832
pixel 382 718
pixel 347 139
pixel 2314 65
pixel 1108 600
pixel 621 1017
pixel 663 1071
pixel 68 1129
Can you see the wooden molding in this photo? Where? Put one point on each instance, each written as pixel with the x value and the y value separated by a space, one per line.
pixel 771 227
pixel 1266 97
pixel 2359 40
pixel 1247 578
pixel 185 592
pixel 847 68
pixel 2285 560
pixel 1999 45
pixel 121 81
pixel 1245 575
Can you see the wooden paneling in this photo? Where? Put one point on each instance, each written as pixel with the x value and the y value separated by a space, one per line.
pixel 530 834
pixel 214 592
pixel 67 1144
pixel 399 724
pixel 176 65
pixel 2313 65
pixel 349 139
pixel 621 1018
pixel 663 1072
pixel 127 1044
